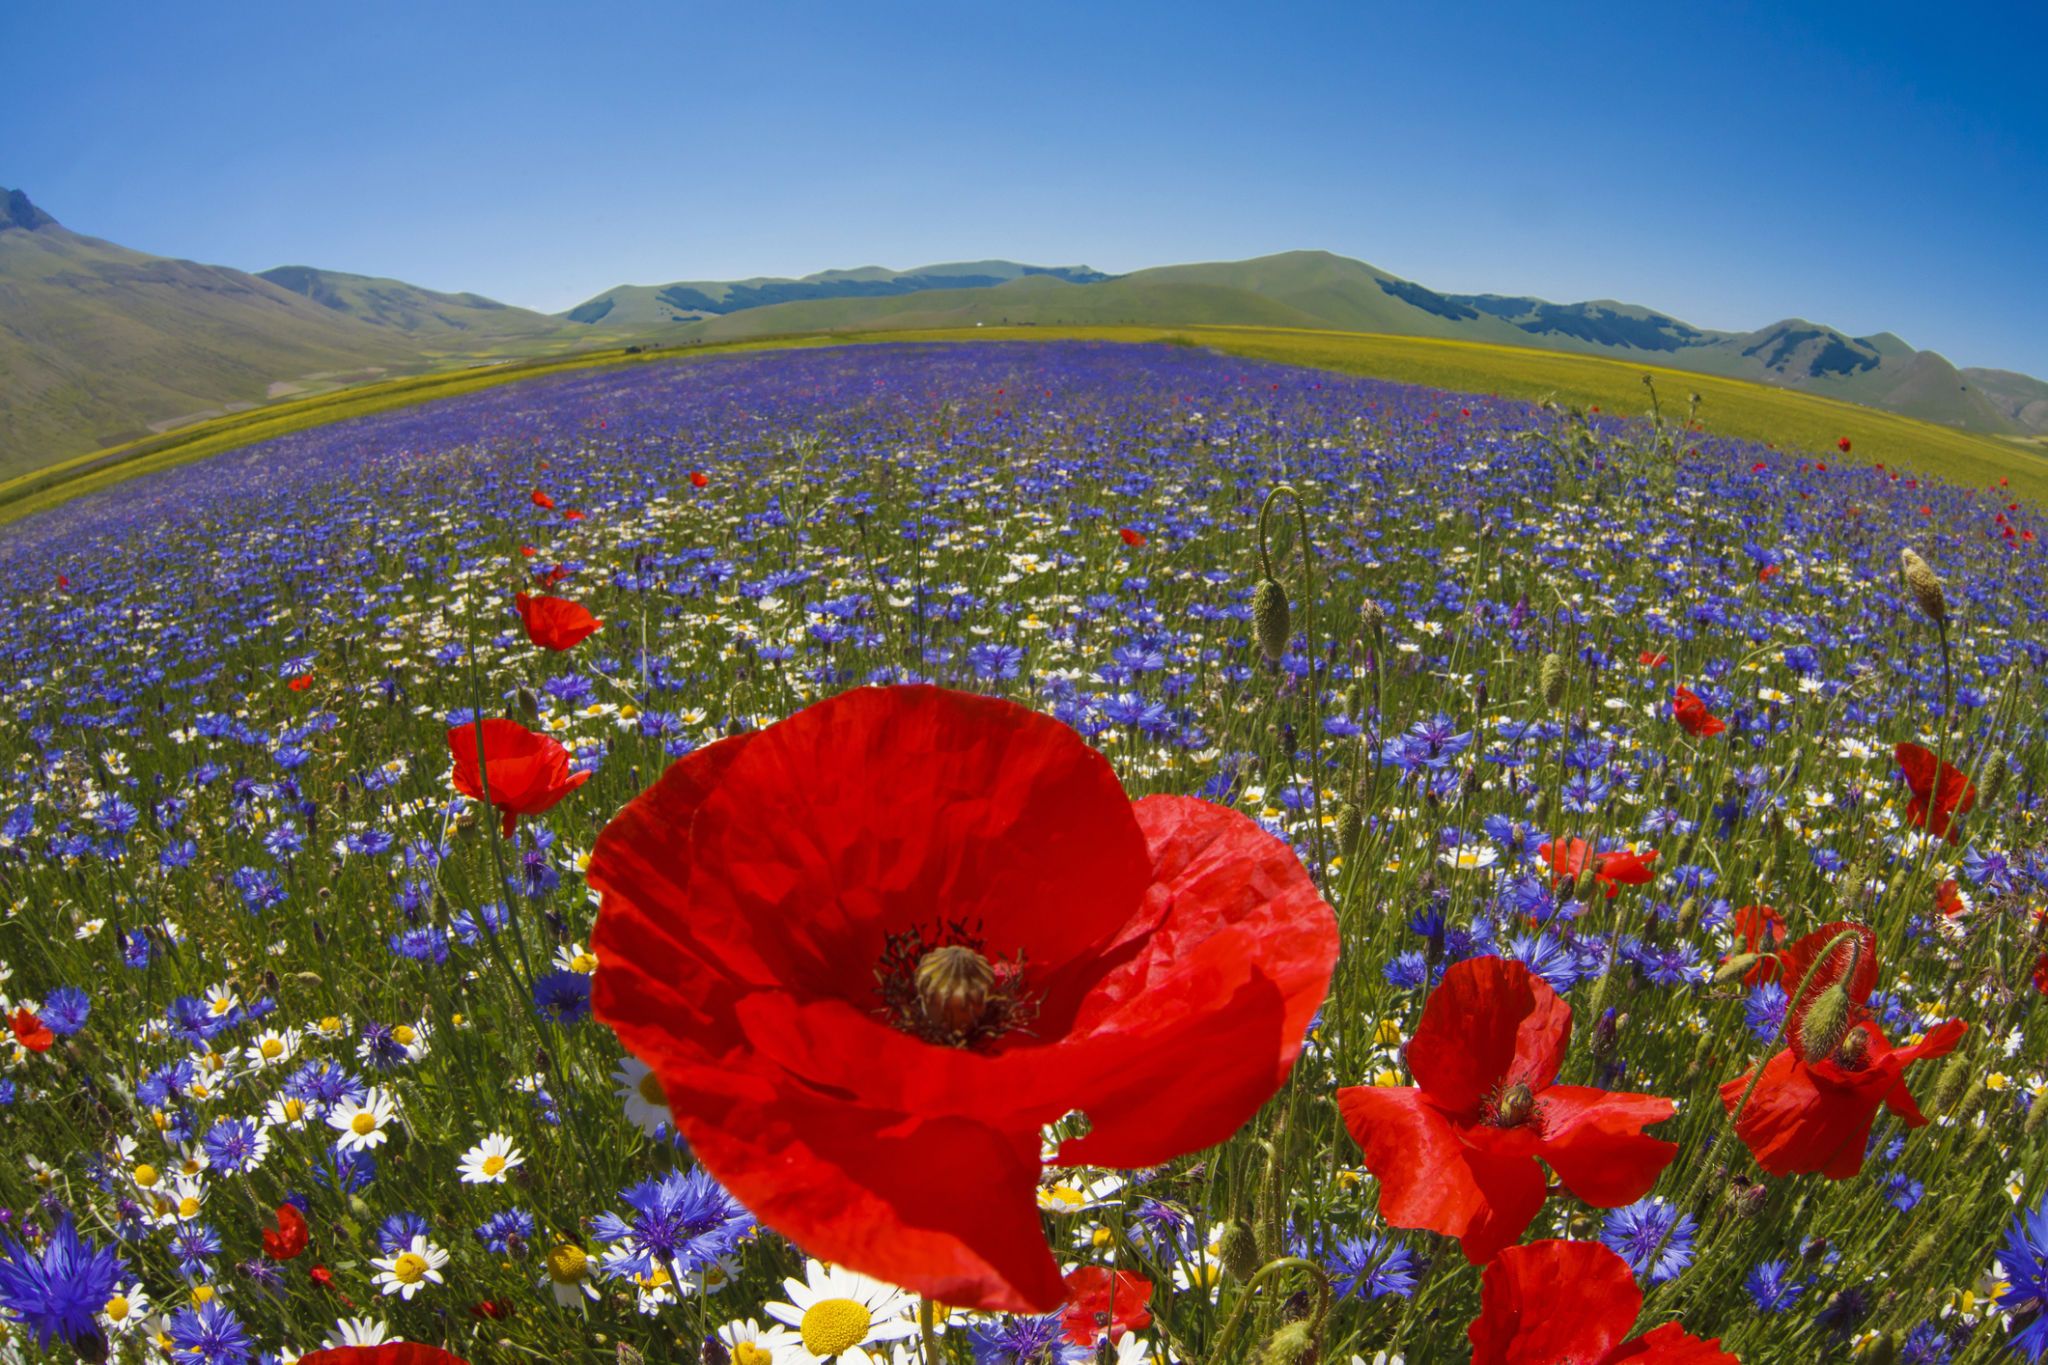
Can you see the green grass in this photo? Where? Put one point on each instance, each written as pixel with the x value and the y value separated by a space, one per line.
pixel 1730 407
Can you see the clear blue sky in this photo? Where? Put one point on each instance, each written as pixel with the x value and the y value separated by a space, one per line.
pixel 1871 166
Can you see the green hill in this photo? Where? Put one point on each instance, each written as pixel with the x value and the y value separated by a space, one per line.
pixel 409 308
pixel 683 301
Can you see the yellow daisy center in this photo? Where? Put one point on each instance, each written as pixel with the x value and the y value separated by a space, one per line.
pixel 330 1024
pixel 145 1175
pixel 187 1206
pixel 363 1124
pixel 834 1325
pixel 566 1264
pixel 202 1293
pixel 409 1268
pixel 117 1308
pixel 403 1035
pixel 583 962
pixel 493 1164
pixel 651 1091
pixel 271 1049
pixel 747 1353
pixel 294 1110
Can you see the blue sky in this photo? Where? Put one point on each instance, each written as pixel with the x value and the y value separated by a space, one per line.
pixel 1871 166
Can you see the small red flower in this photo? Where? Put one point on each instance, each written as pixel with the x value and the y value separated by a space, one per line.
pixel 1101 1304
pixel 527 551
pixel 64 582
pixel 390 1353
pixel 528 773
pixel 555 622
pixel 29 1030
pixel 288 1239
pixel 1816 1116
pixel 1694 716
pixel 1651 659
pixel 1768 572
pixel 497 1310
pixel 300 683
pixel 1573 1303
pixel 572 514
pixel 1612 870
pixel 1934 809
pixel 1949 899
pixel 1458 1151
pixel 1843 445
pixel 1759 467
pixel 554 575
pixel 1134 539
pixel 833 941
pixel 542 500
pixel 698 478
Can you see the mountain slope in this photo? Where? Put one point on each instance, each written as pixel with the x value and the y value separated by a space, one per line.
pixel 409 308
pixel 693 300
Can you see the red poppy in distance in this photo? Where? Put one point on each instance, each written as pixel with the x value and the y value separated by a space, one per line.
pixel 1457 1152
pixel 1573 1303
pixel 1843 445
pixel 390 1353
pixel 555 622
pixel 30 1031
pixel 542 500
pixel 1931 809
pixel 871 950
pixel 1651 659
pixel 1134 539
pixel 1694 716
pixel 698 478
pixel 528 773
pixel 300 683
pixel 288 1239
pixel 1101 1304
pixel 1612 870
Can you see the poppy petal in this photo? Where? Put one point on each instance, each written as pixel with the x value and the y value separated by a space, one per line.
pixel 1594 1140
pixel 1492 1020
pixel 1671 1345
pixel 1431 1179
pixel 1553 1301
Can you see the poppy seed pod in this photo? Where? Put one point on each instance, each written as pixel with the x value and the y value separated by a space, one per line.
pixel 1237 1247
pixel 1735 967
pixel 1823 1024
pixel 1550 677
pixel 1925 585
pixel 1271 619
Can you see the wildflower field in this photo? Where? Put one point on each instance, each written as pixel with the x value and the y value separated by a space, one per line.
pixel 1023 852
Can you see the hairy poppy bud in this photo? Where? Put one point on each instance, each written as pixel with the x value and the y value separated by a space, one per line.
pixel 1919 1256
pixel 1967 1105
pixel 1293 1344
pixel 1994 775
pixel 1550 676
pixel 529 705
pixel 2036 1113
pixel 1607 1036
pixel 1350 825
pixel 1238 1248
pixel 1949 1088
pixel 1735 967
pixel 1823 1024
pixel 1587 884
pixel 1271 619
pixel 953 985
pixel 1883 1351
pixel 1925 585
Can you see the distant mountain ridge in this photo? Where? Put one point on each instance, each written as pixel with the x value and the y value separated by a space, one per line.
pixel 100 343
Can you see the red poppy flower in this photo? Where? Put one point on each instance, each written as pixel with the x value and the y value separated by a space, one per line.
pixel 64 582
pixel 542 500
pixel 1843 445
pixel 1612 870
pixel 2041 974
pixel 1948 898
pixel 1931 809
pixel 554 575
pixel 1768 572
pixel 1816 1116
pixel 528 773
pixel 1651 659
pixel 390 1353
pixel 1572 1303
pixel 497 1310
pixel 29 1031
pixel 555 622
pixel 572 514
pixel 527 551
pixel 288 1239
pixel 1457 1152
pixel 871 950
pixel 1101 1304
pixel 1134 539
pixel 698 478
pixel 300 683
pixel 1759 926
pixel 1693 714
pixel 1759 467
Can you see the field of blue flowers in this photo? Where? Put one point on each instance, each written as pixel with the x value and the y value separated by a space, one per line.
pixel 1605 717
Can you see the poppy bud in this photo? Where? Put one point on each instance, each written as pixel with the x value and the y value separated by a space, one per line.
pixel 1994 775
pixel 1587 884
pixel 529 705
pixel 1919 1256
pixel 1967 1105
pixel 1551 677
pixel 1350 825
pixel 1949 1088
pixel 1823 1024
pixel 1607 1036
pixel 953 985
pixel 1293 1344
pixel 1883 1351
pixel 2036 1112
pixel 1238 1248
pixel 1271 620
pixel 1735 967
pixel 1925 585
pixel 1354 699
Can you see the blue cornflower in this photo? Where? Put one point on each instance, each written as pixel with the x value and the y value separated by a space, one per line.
pixel 2025 1258
pixel 396 1232
pixel 1764 1011
pixel 1772 1288
pixel 1902 1192
pixel 501 1230
pixel 59 1289
pixel 1371 1266
pixel 1024 1341
pixel 562 996
pixel 1635 1233
pixel 421 945
pixel 65 1010
pixel 993 663
pixel 470 928
pixel 1546 957
pixel 210 1334
pixel 234 1145
pixel 135 950
pixel 683 1221
pixel 1406 971
pixel 195 1244
pixel 1927 1344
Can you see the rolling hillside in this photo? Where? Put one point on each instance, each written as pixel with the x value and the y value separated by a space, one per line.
pixel 693 300
pixel 408 308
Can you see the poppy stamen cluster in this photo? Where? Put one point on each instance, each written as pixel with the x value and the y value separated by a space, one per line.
pixel 939 986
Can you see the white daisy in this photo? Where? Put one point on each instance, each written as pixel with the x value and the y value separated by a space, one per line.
pixel 362 1123
pixel 838 1314
pixel 359 1332
pixel 270 1048
pixel 568 1274
pixel 410 1270
pixel 1470 857
pixel 639 1090
pixel 124 1312
pixel 490 1161
pixel 749 1343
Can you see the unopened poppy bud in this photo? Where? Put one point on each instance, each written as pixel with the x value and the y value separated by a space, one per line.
pixel 1271 619
pixel 1293 1344
pixel 1949 1088
pixel 1919 1256
pixel 1237 1247
pixel 529 705
pixel 1883 1351
pixel 1607 1035
pixel 1550 677
pixel 1823 1024
pixel 1588 882
pixel 1350 825
pixel 1735 968
pixel 1994 776
pixel 953 985
pixel 2037 1112
pixel 1967 1105
pixel 1925 585
pixel 1354 699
